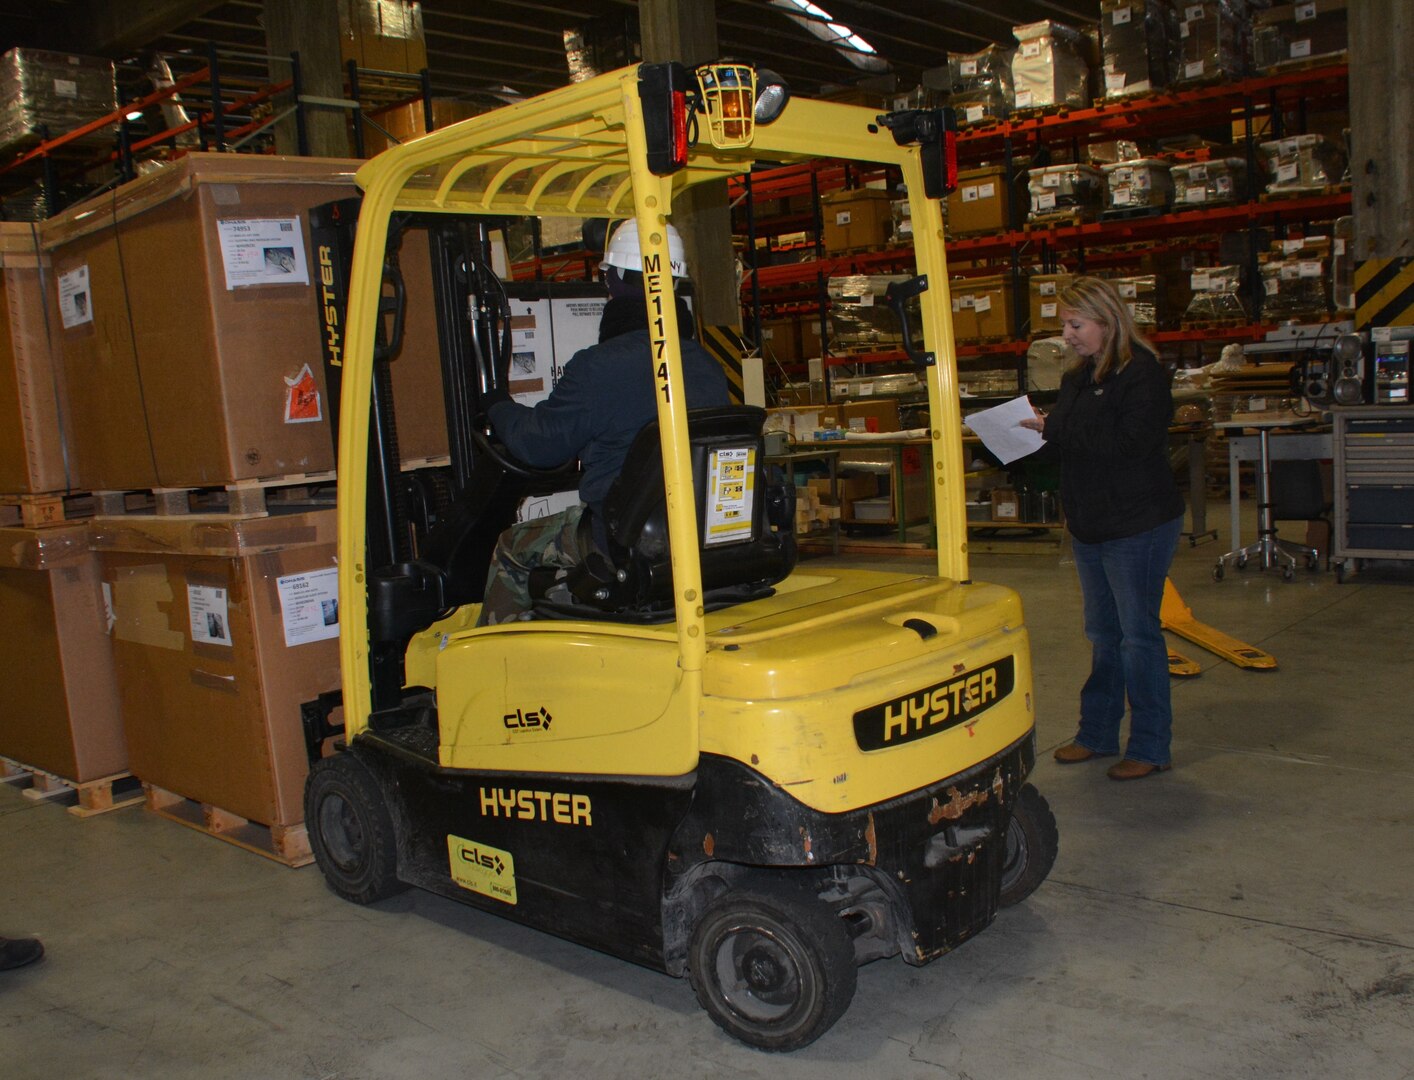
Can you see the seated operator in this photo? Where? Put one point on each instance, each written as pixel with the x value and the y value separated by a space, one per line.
pixel 604 397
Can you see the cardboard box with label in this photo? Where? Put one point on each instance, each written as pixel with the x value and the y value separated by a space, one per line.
pixel 61 711
pixel 780 339
pixel 221 629
pixel 1045 290
pixel 189 331
pixel 856 219
pixel 385 35
pixel 979 202
pixel 32 408
pixel 983 308
pixel 1291 35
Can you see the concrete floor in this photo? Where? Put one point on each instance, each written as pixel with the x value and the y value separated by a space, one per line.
pixel 1249 914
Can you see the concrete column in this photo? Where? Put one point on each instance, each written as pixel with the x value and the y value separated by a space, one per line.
pixel 1381 119
pixel 686 31
pixel 311 28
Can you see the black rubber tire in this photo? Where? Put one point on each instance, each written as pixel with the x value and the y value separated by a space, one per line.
pixel 774 969
pixel 350 830
pixel 1032 841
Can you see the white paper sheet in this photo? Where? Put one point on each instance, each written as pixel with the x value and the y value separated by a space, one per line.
pixel 263 251
pixel 309 604
pixel 1001 432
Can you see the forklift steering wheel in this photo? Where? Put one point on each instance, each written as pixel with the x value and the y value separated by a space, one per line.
pixel 502 457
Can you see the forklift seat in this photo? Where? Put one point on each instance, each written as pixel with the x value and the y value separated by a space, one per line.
pixel 746 538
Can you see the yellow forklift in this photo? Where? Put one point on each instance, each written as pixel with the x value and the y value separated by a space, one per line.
pixel 705 760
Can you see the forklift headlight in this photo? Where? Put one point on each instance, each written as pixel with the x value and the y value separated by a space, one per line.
pixel 772 94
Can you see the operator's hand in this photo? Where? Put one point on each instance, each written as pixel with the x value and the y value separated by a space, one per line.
pixel 1037 422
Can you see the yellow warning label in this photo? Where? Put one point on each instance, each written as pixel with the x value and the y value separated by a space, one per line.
pixel 482 869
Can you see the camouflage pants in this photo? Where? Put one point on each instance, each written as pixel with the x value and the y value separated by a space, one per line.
pixel 547 541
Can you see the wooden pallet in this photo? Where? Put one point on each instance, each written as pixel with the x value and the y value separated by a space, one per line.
pixel 1064 220
pixel 1133 213
pixel 1213 324
pixel 84 798
pixel 1303 192
pixel 284 844
pixel 38 511
pixel 243 498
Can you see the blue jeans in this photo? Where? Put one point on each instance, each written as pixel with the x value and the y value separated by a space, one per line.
pixel 1123 585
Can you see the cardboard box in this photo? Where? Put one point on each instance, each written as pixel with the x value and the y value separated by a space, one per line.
pixel 222 628
pixel 384 35
pixel 983 308
pixel 1138 52
pixel 879 415
pixel 61 711
pixel 189 326
pixel 979 202
pixel 1045 291
pixel 1295 34
pixel 780 339
pixel 1006 506
pixel 856 219
pixel 32 411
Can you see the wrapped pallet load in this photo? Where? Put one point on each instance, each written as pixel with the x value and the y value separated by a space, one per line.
pixel 46 94
pixel 1301 164
pixel 1065 192
pixel 861 320
pixel 1138 43
pixel 981 86
pixel 1219 182
pixel 1137 186
pixel 1293 35
pixel 1216 297
pixel 1048 68
pixel 1210 41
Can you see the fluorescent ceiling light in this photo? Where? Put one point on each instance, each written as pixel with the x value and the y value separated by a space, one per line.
pixel 823 25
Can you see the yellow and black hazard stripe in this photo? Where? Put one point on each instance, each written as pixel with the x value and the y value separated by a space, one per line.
pixel 727 346
pixel 1384 293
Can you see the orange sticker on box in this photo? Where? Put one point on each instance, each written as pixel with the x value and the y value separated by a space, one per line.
pixel 302 402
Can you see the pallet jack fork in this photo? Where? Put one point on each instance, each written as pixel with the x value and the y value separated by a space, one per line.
pixel 1177 616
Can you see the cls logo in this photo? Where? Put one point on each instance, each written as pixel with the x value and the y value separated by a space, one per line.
pixel 488 862
pixel 522 718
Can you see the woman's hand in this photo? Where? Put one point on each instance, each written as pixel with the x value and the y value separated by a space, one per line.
pixel 1037 422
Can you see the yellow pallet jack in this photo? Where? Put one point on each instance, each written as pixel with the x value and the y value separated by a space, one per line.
pixel 1177 616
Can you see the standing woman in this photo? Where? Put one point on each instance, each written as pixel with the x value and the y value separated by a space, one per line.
pixel 1109 428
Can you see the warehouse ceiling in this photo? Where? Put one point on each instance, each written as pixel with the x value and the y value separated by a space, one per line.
pixel 478 46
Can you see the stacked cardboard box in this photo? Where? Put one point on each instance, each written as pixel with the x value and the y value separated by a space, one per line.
pixel 190 348
pixel 221 629
pixel 983 308
pixel 856 219
pixel 383 35
pixel 32 417
pixel 1293 34
pixel 979 204
pixel 1296 280
pixel 1045 305
pixel 61 712
pixel 980 84
pixel 1210 40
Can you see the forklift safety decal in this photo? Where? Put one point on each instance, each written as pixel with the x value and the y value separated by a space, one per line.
pixel 535 719
pixel 482 869
pixel 558 806
pixel 731 476
pixel 937 708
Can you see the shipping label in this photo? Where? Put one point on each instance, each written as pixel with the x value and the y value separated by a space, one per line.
pixel 263 251
pixel 210 619
pixel 75 298
pixel 309 606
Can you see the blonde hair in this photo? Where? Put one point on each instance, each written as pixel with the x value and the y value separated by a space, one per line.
pixel 1095 298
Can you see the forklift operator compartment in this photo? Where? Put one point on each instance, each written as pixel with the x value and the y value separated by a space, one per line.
pixel 700 757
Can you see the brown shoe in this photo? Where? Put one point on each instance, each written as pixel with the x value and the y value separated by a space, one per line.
pixel 1134 770
pixel 1074 754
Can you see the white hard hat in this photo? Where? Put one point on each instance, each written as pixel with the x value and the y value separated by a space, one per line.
pixel 623 250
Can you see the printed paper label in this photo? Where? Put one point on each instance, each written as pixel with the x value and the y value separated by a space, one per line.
pixel 969 193
pixel 842 217
pixel 982 303
pixel 729 500
pixel 1122 15
pixel 1120 197
pixel 1286 172
pixel 263 251
pixel 1114 80
pixel 974 113
pixel 1305 12
pixel 1048 311
pixel 1200 282
pixel 1046 288
pixel 1051 180
pixel 66 88
pixel 1193 12
pixel 1300 48
pixel 986 191
pixel 1128 289
pixel 1310 269
pixel 1193 70
pixel 969 67
pixel 302 403
pixel 309 606
pixel 75 298
pixel 1023 97
pixel 1029 51
pixel 866 389
pixel 206 607
pixel 1046 201
pixel 1196 194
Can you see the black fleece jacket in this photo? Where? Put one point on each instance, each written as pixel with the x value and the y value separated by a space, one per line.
pixel 605 395
pixel 1112 442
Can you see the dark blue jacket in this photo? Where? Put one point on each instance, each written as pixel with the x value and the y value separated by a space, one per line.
pixel 1112 441
pixel 605 395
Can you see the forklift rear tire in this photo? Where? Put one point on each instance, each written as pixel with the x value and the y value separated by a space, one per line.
pixel 1032 841
pixel 774 969
pixel 350 830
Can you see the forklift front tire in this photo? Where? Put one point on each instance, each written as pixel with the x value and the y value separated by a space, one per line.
pixel 350 830
pixel 773 969
pixel 1032 841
